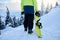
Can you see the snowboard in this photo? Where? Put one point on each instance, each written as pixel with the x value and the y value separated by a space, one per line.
pixel 38 25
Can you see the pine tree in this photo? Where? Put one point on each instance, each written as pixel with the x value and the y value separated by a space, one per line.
pixel 21 20
pixel 42 6
pixel 57 4
pixel 51 7
pixel 1 24
pixel 14 23
pixel 47 9
pixel 8 18
pixel 18 21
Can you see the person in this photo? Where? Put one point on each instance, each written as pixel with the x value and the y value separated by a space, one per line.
pixel 28 8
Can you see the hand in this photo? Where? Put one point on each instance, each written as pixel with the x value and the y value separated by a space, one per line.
pixel 22 13
pixel 37 14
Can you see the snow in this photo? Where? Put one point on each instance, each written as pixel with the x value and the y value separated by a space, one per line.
pixel 51 24
pixel 50 30
pixel 17 34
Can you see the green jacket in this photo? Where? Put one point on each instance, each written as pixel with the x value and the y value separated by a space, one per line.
pixel 29 2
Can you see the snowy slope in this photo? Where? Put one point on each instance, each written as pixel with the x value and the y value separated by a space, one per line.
pixel 51 24
pixel 17 34
pixel 50 30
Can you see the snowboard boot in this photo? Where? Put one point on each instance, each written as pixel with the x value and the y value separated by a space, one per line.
pixel 30 31
pixel 25 29
pixel 39 37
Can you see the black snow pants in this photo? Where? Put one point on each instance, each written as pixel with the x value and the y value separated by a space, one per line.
pixel 28 21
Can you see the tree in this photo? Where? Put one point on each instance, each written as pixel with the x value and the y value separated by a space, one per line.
pixel 21 20
pixel 51 6
pixel 42 6
pixel 47 9
pixel 8 18
pixel 18 21
pixel 57 4
pixel 14 22
pixel 1 24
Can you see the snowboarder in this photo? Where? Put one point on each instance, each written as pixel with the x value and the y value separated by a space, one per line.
pixel 29 7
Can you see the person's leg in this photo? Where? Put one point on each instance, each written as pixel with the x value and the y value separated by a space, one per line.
pixel 30 23
pixel 25 22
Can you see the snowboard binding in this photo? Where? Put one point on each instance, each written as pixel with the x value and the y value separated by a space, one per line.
pixel 39 24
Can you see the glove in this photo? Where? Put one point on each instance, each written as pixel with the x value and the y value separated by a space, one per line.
pixel 37 14
pixel 22 13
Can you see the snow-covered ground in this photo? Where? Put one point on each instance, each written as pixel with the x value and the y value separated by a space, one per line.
pixel 50 30
pixel 51 25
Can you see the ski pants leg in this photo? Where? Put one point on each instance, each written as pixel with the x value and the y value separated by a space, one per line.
pixel 26 21
pixel 30 21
